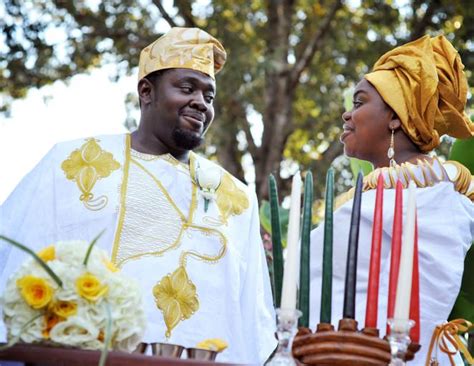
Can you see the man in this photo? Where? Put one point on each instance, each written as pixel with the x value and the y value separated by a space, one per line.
pixel 185 228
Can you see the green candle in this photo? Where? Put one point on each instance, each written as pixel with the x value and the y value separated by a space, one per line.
pixel 276 241
pixel 305 250
pixel 326 288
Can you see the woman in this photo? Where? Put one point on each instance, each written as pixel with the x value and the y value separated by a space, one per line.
pixel 415 94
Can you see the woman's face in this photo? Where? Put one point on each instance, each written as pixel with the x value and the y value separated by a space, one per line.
pixel 366 132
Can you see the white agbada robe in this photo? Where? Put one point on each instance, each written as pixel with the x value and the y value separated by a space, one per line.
pixel 445 233
pixel 149 234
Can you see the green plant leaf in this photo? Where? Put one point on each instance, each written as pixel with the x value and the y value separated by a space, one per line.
pixel 464 305
pixel 463 152
pixel 266 223
pixel 91 245
pixel 41 262
pixel 16 338
pixel 108 333
pixel 360 165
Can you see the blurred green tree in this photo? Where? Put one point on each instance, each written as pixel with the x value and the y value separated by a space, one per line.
pixel 280 95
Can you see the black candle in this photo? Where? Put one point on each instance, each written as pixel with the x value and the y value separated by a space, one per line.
pixel 351 266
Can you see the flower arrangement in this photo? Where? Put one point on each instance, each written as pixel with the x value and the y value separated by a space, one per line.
pixel 71 295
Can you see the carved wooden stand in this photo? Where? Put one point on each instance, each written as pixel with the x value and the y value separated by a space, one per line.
pixel 346 346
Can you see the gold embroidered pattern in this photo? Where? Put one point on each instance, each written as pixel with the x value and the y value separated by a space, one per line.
pixel 152 224
pixel 231 200
pixel 87 165
pixel 176 297
pixel 424 174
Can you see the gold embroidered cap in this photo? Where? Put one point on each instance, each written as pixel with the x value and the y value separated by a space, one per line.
pixel 424 83
pixel 187 48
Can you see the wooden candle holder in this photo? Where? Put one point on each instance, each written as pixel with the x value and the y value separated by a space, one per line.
pixel 346 346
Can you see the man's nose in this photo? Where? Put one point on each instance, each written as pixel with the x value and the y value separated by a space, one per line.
pixel 199 102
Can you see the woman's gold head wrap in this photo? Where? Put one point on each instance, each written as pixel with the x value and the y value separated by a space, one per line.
pixel 424 83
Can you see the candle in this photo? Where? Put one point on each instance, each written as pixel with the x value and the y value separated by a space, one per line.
pixel 374 266
pixel 326 287
pixel 415 293
pixel 396 249
pixel 276 240
pixel 402 299
pixel 351 265
pixel 288 295
pixel 305 250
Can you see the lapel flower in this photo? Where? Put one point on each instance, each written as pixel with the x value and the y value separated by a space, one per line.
pixel 208 178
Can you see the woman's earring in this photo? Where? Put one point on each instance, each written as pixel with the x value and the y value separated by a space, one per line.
pixel 391 151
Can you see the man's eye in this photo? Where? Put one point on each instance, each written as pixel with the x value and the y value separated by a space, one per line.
pixel 186 89
pixel 209 98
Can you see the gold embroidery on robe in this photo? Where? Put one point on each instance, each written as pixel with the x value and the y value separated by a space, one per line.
pixel 231 200
pixel 176 297
pixel 86 166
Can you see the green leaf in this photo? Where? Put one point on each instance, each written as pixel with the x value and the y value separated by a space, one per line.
pixel 464 305
pixel 42 263
pixel 266 223
pixel 108 333
pixel 91 245
pixel 463 152
pixel 360 165
pixel 16 338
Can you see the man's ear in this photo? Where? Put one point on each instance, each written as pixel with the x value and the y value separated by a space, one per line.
pixel 395 122
pixel 145 91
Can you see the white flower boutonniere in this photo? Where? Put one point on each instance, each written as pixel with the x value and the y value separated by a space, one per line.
pixel 208 178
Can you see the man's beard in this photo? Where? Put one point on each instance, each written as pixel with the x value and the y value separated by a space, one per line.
pixel 186 139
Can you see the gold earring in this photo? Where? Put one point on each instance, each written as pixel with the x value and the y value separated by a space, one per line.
pixel 391 151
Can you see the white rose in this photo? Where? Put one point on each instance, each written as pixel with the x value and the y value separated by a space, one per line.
pixel 75 331
pixel 208 177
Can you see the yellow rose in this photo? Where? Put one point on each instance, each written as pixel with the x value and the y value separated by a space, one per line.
pixel 90 288
pixel 50 321
pixel 213 344
pixel 64 309
pixel 35 291
pixel 47 254
pixel 110 266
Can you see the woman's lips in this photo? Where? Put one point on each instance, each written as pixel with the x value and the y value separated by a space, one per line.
pixel 347 131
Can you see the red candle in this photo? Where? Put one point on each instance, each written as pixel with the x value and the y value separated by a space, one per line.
pixel 374 267
pixel 415 293
pixel 396 250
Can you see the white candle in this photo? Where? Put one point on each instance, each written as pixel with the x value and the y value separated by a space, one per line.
pixel 402 300
pixel 290 273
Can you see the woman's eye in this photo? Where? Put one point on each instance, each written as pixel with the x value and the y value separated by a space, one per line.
pixel 356 103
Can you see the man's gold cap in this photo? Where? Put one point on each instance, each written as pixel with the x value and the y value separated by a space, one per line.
pixel 187 48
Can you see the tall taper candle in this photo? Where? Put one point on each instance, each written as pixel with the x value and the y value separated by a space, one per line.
pixel 402 300
pixel 351 266
pixel 326 286
pixel 395 250
pixel 288 296
pixel 371 309
pixel 415 293
pixel 276 240
pixel 303 303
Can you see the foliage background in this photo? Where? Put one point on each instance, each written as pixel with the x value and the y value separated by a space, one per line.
pixel 280 95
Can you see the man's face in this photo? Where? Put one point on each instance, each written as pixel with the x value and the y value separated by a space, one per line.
pixel 182 108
